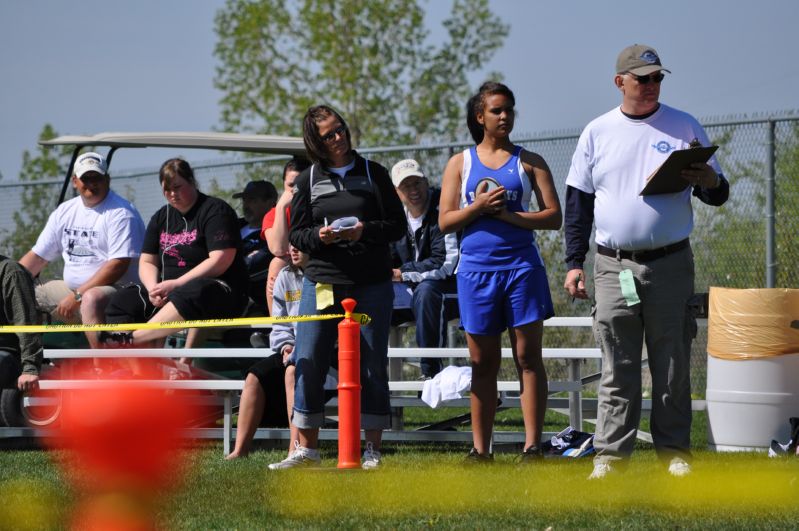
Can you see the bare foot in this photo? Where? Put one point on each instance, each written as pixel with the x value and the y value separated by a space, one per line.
pixel 236 454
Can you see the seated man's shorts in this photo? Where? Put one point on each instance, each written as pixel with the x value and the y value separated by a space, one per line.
pixel 52 292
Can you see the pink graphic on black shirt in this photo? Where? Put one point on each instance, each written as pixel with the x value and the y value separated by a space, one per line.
pixel 169 242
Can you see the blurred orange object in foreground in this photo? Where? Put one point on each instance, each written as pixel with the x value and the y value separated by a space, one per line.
pixel 123 444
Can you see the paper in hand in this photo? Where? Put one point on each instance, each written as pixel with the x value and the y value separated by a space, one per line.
pixel 667 179
pixel 344 223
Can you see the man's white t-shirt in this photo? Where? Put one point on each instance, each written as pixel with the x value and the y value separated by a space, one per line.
pixel 614 157
pixel 415 223
pixel 87 237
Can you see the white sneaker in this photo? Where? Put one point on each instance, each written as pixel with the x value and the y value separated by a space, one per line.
pixel 371 457
pixel 678 467
pixel 300 457
pixel 600 471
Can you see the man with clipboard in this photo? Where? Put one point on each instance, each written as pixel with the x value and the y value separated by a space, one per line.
pixel 644 268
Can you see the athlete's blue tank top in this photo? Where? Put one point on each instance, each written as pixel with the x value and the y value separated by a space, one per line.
pixel 489 244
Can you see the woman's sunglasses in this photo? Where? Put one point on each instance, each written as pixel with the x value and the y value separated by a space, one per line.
pixel 340 130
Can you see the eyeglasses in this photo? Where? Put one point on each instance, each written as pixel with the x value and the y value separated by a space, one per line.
pixel 329 137
pixel 644 80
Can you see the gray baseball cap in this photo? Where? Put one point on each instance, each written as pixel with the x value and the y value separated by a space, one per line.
pixel 640 60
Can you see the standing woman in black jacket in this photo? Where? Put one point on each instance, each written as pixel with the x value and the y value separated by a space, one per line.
pixel 352 262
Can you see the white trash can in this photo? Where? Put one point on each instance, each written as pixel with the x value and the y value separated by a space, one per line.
pixel 752 367
pixel 749 402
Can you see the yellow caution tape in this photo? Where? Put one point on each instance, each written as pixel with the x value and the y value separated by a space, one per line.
pixel 361 318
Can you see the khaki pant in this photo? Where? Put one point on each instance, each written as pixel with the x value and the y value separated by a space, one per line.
pixel 664 321
pixel 49 294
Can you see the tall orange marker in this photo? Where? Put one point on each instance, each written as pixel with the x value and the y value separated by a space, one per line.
pixel 349 389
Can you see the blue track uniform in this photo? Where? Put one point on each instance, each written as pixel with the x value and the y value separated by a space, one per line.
pixel 501 276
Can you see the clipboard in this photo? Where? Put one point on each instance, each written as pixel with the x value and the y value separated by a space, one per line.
pixel 667 179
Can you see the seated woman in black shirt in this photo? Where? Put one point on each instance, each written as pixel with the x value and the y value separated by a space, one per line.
pixel 191 264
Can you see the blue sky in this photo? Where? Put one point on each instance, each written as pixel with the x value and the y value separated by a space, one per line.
pixel 148 65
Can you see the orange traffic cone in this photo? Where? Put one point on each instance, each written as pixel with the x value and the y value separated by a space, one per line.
pixel 349 389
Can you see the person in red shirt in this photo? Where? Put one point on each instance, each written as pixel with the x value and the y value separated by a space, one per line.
pixel 275 228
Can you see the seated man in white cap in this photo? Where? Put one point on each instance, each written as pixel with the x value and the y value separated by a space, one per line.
pixel 99 236
pixel 424 261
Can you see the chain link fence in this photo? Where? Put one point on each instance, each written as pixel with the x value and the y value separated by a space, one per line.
pixel 731 243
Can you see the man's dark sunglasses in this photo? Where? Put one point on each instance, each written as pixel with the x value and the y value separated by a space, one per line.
pixel 655 78
pixel 340 130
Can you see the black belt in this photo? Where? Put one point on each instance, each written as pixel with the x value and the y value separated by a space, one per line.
pixel 643 256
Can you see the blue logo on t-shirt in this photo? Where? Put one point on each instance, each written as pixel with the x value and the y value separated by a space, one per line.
pixel 664 147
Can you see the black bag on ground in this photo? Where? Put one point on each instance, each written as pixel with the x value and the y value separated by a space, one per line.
pixel 776 449
pixel 569 443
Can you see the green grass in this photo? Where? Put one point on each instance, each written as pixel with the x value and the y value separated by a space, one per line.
pixel 426 485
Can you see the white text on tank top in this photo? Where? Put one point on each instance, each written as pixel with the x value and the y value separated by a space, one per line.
pixel 489 244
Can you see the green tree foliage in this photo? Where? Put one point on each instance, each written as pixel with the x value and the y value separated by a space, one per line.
pixel 730 241
pixel 371 59
pixel 787 208
pixel 720 233
pixel 37 200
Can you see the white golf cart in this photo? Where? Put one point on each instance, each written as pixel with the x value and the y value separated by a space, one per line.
pixel 15 411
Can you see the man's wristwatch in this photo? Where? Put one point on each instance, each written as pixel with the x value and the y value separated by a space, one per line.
pixel 78 296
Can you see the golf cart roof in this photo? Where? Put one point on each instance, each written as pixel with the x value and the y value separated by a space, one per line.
pixel 281 145
pixel 266 144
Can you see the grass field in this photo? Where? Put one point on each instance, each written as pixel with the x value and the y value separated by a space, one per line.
pixel 427 486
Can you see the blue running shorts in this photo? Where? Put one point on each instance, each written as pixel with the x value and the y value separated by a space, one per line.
pixel 491 301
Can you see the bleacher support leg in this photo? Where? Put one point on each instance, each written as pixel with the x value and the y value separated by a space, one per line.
pixel 227 429
pixel 575 397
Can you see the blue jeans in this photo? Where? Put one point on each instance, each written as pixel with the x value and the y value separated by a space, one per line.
pixel 316 346
pixel 427 304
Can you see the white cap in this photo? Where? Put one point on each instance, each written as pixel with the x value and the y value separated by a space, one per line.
pixel 90 162
pixel 404 169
